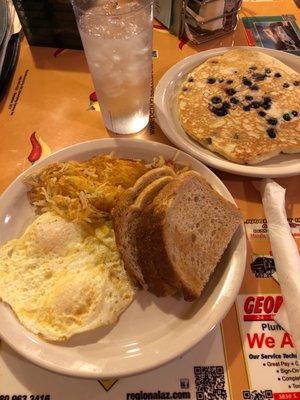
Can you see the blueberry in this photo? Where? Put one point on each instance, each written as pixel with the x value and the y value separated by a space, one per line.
pixel 266 106
pixel 267 70
pixel 286 85
pixel 271 132
pixel 253 67
pixel 246 81
pixel 220 112
pixel 254 87
pixel 255 104
pixel 234 100
pixel 246 108
pixel 267 100
pixel 230 91
pixel 295 113
pixel 296 83
pixel 277 75
pixel 229 81
pixel 272 121
pixel 211 80
pixel 216 100
pixel 249 98
pixel 286 117
pixel 185 89
pixel 262 114
pixel 259 77
pixel 191 79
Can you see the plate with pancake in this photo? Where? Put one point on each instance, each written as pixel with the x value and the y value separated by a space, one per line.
pixel 235 109
pixel 76 298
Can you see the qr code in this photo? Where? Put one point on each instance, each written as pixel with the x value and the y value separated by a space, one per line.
pixel 257 394
pixel 210 383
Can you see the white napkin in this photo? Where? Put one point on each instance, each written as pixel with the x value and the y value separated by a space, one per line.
pixel 286 257
pixel 208 11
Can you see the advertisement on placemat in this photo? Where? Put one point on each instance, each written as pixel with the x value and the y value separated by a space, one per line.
pixel 276 32
pixel 270 357
pixel 199 374
pixel 257 228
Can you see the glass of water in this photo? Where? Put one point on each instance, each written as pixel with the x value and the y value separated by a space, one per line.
pixel 117 40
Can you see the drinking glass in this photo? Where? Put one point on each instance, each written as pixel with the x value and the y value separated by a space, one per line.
pixel 117 40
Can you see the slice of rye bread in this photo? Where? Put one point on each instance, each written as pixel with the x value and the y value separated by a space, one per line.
pixel 183 234
pixel 130 240
pixel 119 215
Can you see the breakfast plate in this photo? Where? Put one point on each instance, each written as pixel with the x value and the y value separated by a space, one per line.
pixel 152 331
pixel 168 119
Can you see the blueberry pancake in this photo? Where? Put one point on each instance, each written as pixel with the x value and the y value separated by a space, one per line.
pixel 244 105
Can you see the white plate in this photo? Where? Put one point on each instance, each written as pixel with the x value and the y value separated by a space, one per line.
pixel 152 331
pixel 282 165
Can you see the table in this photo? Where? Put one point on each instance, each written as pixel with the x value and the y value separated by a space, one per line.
pixel 49 96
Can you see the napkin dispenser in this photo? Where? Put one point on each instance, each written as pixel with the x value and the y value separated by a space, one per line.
pixel 49 23
pixel 203 20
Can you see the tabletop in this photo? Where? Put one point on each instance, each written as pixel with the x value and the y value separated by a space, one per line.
pixel 48 102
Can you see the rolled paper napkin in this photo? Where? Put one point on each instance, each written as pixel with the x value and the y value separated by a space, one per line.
pixel 286 257
pixel 281 316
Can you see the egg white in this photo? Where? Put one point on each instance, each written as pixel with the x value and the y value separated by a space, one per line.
pixel 60 280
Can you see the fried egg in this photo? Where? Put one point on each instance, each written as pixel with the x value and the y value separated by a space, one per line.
pixel 61 280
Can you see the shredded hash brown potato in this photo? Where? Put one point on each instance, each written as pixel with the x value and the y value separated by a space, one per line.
pixel 83 191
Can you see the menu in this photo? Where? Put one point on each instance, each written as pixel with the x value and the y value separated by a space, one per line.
pixel 248 355
pixel 270 358
pixel 200 369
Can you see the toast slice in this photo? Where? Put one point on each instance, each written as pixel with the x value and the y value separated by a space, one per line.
pixel 183 234
pixel 131 239
pixel 124 214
